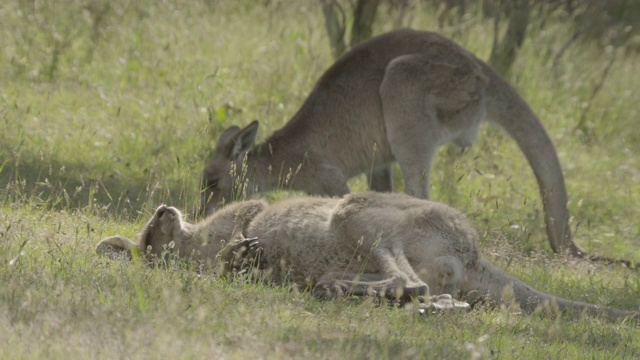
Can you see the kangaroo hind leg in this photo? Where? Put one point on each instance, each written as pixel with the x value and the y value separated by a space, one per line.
pixel 395 280
pixel 428 100
pixel 337 285
pixel 412 127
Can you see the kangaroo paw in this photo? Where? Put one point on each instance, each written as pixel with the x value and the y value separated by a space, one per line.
pixel 240 255
pixel 441 303
pixel 115 248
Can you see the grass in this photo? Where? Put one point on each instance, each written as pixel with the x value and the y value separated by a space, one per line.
pixel 109 108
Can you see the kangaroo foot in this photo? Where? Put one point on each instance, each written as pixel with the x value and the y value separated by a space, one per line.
pixel 332 289
pixel 441 303
pixel 405 294
pixel 396 295
pixel 329 290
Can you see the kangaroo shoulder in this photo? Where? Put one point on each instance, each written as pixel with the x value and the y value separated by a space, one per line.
pixel 248 210
pixel 235 215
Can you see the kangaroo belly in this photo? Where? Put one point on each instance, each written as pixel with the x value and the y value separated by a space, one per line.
pixel 297 243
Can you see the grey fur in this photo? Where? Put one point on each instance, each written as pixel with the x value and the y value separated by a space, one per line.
pixel 398 96
pixel 390 245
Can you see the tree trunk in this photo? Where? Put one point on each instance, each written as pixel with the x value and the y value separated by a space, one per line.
pixel 363 18
pixel 335 22
pixel 504 53
pixel 335 26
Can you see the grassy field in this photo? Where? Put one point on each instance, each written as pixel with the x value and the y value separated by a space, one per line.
pixel 110 108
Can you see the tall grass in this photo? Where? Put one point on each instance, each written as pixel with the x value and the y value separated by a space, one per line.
pixel 109 108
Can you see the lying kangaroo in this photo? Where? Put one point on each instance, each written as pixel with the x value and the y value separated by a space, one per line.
pixel 389 245
pixel 398 96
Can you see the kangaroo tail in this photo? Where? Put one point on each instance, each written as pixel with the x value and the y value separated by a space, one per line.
pixel 486 282
pixel 507 109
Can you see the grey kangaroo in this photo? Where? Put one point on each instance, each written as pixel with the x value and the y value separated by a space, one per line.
pixel 398 96
pixel 385 245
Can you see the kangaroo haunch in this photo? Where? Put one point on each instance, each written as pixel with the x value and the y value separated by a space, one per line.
pixel 389 245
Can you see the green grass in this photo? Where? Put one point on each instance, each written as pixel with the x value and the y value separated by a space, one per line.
pixel 109 108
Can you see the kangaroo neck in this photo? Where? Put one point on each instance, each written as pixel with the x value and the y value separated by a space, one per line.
pixel 184 240
pixel 202 242
pixel 275 163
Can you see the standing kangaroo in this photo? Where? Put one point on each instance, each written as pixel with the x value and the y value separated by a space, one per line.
pixel 397 96
pixel 388 245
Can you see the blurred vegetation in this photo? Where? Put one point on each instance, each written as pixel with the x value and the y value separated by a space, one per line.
pixel 109 108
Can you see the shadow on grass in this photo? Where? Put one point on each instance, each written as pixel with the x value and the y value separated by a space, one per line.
pixel 51 184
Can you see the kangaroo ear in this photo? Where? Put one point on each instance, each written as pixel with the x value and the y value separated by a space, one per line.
pixel 244 140
pixel 116 247
pixel 227 136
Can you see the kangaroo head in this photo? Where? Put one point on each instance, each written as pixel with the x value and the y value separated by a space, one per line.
pixel 162 233
pixel 223 176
